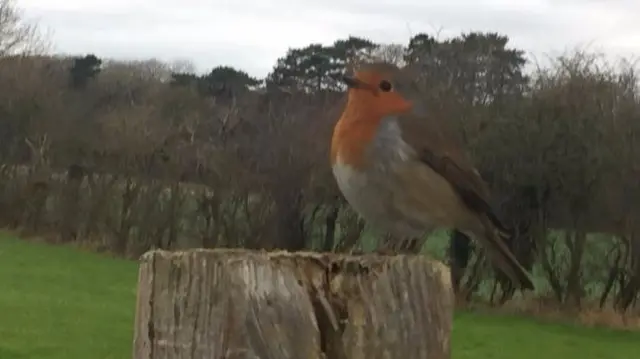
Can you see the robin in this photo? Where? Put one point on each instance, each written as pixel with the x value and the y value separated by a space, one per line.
pixel 397 168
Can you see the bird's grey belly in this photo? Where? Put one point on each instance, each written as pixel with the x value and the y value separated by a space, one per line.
pixel 373 196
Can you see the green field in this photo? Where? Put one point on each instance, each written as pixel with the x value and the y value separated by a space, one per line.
pixel 64 303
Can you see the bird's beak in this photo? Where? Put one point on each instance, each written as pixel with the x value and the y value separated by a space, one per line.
pixel 354 83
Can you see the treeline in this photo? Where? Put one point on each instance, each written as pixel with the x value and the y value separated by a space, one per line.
pixel 128 156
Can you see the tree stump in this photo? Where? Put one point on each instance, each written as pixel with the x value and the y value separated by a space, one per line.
pixel 238 304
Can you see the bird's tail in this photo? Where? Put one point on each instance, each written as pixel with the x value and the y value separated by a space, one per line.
pixel 504 259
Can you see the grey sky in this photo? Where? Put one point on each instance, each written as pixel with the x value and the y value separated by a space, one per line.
pixel 252 34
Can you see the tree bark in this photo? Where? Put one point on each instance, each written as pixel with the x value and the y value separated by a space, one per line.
pixel 249 304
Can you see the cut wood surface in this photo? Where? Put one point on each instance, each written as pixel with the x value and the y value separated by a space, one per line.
pixel 279 305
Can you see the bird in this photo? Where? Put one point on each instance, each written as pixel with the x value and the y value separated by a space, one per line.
pixel 400 170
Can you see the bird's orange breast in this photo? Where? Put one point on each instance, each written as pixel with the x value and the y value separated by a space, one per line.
pixel 351 136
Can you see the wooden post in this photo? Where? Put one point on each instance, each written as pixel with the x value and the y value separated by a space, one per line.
pixel 237 304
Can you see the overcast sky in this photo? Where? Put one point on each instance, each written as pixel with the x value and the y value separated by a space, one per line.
pixel 252 34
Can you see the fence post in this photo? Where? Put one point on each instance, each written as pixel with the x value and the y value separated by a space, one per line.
pixel 251 304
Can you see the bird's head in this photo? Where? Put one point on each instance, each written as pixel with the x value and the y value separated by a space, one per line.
pixel 379 90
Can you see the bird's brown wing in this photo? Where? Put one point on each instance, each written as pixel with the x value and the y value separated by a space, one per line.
pixel 440 150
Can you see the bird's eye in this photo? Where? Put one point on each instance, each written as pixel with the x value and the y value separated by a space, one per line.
pixel 385 86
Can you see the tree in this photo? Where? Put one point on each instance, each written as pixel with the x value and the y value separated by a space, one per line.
pixel 184 79
pixel 146 70
pixel 477 68
pixel 83 70
pixel 227 81
pixel 354 50
pixel 221 82
pixel 319 68
pixel 309 69
pixel 392 53
pixel 16 34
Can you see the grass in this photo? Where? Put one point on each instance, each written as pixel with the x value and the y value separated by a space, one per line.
pixel 63 303
pixel 59 302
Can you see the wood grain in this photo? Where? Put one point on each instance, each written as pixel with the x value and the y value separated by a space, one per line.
pixel 278 305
